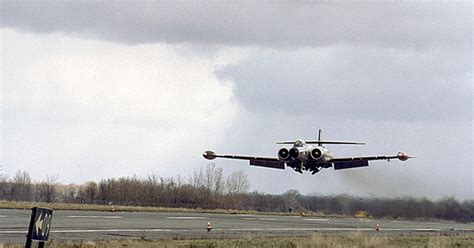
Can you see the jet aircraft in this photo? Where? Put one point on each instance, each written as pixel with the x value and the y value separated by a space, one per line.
pixel 309 156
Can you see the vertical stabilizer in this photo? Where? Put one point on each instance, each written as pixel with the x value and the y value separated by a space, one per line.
pixel 319 137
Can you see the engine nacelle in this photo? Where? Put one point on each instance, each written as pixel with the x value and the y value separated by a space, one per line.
pixel 284 154
pixel 294 153
pixel 316 153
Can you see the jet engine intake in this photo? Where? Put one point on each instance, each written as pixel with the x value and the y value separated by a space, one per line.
pixel 294 153
pixel 283 154
pixel 316 154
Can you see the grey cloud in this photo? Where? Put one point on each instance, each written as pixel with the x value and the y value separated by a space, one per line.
pixel 356 82
pixel 434 173
pixel 420 25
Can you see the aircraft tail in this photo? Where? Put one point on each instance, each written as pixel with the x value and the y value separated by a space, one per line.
pixel 319 137
pixel 321 142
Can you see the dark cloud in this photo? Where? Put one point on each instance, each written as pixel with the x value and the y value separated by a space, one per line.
pixel 356 82
pixel 275 24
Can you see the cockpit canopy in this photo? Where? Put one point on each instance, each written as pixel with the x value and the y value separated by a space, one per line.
pixel 299 143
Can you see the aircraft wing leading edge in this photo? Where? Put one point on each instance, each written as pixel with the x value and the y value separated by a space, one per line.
pixel 268 162
pixel 354 162
pixel 377 157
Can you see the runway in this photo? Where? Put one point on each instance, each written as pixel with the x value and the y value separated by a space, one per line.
pixel 94 225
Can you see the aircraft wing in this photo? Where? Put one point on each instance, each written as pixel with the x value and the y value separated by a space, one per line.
pixel 353 162
pixel 269 162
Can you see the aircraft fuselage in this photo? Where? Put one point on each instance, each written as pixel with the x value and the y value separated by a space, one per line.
pixel 302 156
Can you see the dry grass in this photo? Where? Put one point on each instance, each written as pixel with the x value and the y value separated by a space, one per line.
pixel 120 208
pixel 357 239
pixel 361 240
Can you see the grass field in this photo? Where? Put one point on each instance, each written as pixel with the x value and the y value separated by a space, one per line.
pixel 317 240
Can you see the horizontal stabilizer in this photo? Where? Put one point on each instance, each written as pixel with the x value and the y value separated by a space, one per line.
pixel 269 164
pixel 350 164
pixel 334 142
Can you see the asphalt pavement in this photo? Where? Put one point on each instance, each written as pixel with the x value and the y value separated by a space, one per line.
pixel 95 225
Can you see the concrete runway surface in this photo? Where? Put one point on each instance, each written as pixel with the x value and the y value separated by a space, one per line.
pixel 94 225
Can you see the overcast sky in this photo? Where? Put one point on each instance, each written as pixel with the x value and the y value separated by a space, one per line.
pixel 100 90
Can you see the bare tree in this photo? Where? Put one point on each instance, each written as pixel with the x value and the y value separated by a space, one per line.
pixel 90 191
pixel 152 189
pixel 219 183
pixel 46 190
pixel 214 184
pixel 68 193
pixel 176 187
pixel 237 185
pixel 198 183
pixel 4 188
pixel 214 179
pixel 290 198
pixel 21 189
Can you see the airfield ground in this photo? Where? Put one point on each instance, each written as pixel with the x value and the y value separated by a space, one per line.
pixel 316 240
pixel 150 229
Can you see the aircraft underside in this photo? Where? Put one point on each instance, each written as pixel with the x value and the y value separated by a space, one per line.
pixel 308 166
pixel 314 166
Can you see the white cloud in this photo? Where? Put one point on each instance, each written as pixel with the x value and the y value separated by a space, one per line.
pixel 89 109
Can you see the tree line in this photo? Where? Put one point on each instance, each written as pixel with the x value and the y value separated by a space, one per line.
pixel 208 188
pixel 205 188
pixel 407 207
